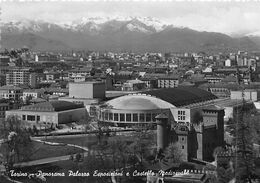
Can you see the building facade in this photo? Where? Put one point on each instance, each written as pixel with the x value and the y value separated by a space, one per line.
pixel 168 82
pixel 33 94
pixel 87 90
pixel 3 108
pixel 180 104
pixel 11 92
pixel 54 112
pixel 18 76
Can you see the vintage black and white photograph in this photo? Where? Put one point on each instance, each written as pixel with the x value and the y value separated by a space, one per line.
pixel 127 91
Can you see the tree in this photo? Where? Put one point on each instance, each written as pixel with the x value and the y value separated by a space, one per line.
pixel 173 154
pixel 28 100
pixel 197 118
pixel 145 139
pixel 35 130
pixel 18 143
pixel 78 157
pixel 244 147
pixel 224 175
pixel 223 165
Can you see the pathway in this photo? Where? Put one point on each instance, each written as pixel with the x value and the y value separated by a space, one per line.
pixel 51 159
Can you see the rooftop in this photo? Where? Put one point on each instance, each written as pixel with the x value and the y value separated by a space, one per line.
pixel 161 76
pixel 86 82
pixel 86 69
pixel 134 81
pixel 229 102
pixel 182 95
pixel 10 87
pixel 52 106
pixel 139 102
pixel 33 90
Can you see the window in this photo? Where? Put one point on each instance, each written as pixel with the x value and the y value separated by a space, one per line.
pixel 106 116
pixel 181 112
pixel 182 138
pixel 182 147
pixel 181 118
pixel 153 116
pixel 115 117
pixel 135 117
pixel 128 117
pixel 38 118
pixel 24 117
pixel 110 116
pixel 30 118
pixel 181 115
pixel 92 110
pixel 148 117
pixel 122 117
pixel 141 117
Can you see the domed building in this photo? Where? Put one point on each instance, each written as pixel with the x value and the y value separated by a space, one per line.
pixel 145 106
pixel 186 115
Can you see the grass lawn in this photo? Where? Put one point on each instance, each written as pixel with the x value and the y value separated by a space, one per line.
pixel 89 140
pixel 46 151
pixel 86 141
pixel 40 150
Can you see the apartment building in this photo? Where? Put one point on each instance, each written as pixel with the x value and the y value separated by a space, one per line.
pixel 18 76
pixel 168 81
pixel 11 92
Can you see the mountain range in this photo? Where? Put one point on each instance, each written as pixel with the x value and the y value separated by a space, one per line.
pixel 138 34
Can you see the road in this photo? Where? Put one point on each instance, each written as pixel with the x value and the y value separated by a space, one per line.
pixel 44 161
pixel 56 143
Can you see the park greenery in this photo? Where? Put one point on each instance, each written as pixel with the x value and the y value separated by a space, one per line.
pixel 240 166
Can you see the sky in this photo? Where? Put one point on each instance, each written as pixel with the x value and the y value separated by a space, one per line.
pixel 225 16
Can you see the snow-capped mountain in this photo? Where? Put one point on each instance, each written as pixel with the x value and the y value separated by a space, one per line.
pixel 88 24
pixel 31 26
pixel 153 22
pixel 115 33
pixel 254 34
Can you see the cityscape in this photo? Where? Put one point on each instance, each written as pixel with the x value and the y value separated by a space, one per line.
pixel 130 92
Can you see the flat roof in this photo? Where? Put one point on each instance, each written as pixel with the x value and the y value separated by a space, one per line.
pixel 87 82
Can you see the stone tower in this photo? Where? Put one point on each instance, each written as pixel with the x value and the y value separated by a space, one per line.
pixel 162 131
pixel 212 131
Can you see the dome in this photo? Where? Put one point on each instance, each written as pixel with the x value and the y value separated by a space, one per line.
pixel 139 102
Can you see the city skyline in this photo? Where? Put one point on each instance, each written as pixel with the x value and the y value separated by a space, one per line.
pixel 233 18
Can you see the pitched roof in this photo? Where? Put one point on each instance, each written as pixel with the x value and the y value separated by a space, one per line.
pixel 52 106
pixel 182 95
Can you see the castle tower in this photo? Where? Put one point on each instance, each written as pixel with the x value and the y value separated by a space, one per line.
pixel 162 121
pixel 182 132
pixel 212 132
